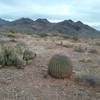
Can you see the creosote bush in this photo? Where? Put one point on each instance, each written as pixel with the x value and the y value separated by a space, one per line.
pixel 60 66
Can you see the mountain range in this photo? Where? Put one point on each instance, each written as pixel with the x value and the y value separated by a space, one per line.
pixel 43 26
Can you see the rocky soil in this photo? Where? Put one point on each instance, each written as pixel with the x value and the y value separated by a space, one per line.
pixel 33 82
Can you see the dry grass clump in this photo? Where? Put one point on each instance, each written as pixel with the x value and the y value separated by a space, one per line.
pixel 97 43
pixel 9 57
pixel 79 49
pixel 75 38
pixel 13 40
pixel 85 60
pixel 87 79
pixel 93 50
pixel 66 37
pixel 67 45
pixel 13 56
pixel 11 35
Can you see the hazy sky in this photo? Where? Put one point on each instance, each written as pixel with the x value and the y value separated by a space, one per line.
pixel 88 11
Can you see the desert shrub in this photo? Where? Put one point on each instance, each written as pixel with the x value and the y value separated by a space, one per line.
pixel 67 45
pixel 60 43
pixel 28 55
pixel 13 40
pixel 12 31
pixel 79 49
pixel 92 51
pixel 85 60
pixel 43 34
pixel 11 35
pixel 88 79
pixel 66 37
pixel 8 57
pixel 60 66
pixel 75 38
pixel 15 56
pixel 97 43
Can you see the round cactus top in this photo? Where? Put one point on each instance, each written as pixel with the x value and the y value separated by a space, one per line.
pixel 60 66
pixel 60 59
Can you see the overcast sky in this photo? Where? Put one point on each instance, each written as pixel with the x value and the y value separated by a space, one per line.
pixel 87 11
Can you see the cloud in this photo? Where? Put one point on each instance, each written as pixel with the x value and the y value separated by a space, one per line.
pixel 15 9
pixel 55 10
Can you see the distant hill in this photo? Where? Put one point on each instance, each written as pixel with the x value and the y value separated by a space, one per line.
pixel 3 22
pixel 43 26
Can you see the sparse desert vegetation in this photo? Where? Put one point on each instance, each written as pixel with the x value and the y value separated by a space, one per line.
pixel 88 80
pixel 35 53
pixel 14 56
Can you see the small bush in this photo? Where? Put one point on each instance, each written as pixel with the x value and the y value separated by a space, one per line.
pixel 85 60
pixel 28 55
pixel 88 80
pixel 8 57
pixel 67 45
pixel 15 56
pixel 97 43
pixel 75 38
pixel 12 31
pixel 79 49
pixel 11 35
pixel 93 51
pixel 66 37
pixel 13 40
pixel 60 66
pixel 43 35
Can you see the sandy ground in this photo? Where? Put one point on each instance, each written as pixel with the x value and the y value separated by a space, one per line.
pixel 33 82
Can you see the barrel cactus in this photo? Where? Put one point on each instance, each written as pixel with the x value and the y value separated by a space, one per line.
pixel 60 66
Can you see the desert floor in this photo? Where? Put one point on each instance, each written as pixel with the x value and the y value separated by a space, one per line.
pixel 33 82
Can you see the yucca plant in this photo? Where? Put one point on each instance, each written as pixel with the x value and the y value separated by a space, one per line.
pixel 60 66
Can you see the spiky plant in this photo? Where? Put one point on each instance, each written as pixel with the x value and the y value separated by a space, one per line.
pixel 8 57
pixel 60 66
pixel 28 55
